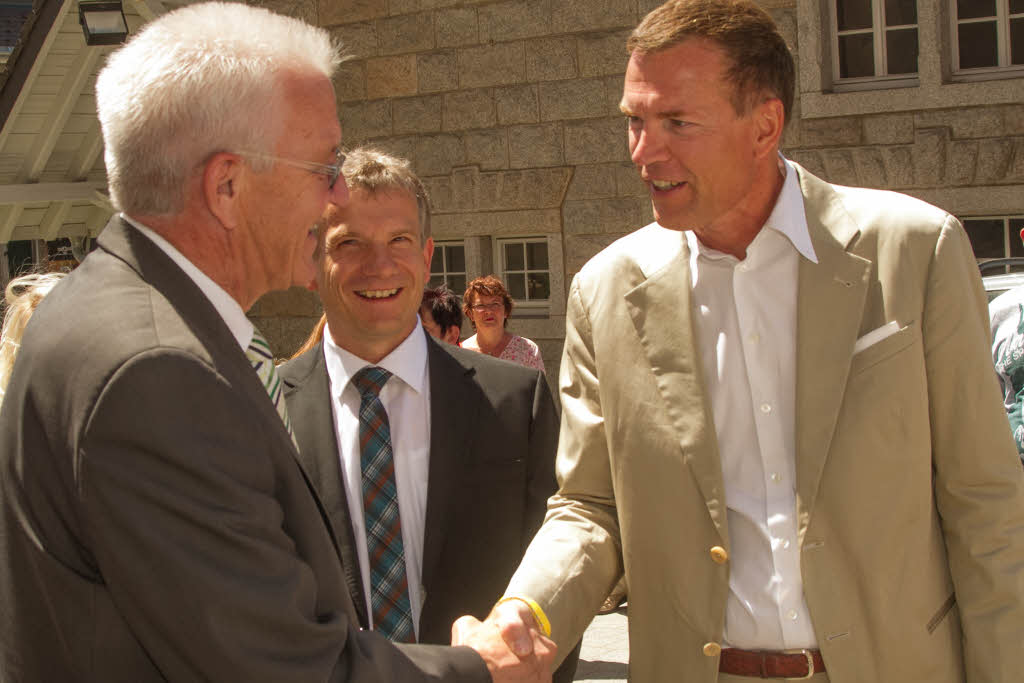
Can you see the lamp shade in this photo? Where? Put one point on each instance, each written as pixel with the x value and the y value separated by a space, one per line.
pixel 103 22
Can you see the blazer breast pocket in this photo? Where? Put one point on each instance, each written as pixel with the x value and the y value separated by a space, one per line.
pixel 884 349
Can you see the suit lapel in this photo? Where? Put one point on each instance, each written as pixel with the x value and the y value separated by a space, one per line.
pixel 453 417
pixel 830 302
pixel 310 406
pixel 661 312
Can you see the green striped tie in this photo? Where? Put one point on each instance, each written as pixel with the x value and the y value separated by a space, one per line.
pixel 262 361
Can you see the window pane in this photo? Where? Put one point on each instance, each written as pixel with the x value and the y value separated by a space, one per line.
pixel 516 284
pixel 435 281
pixel 900 12
pixel 978 45
pixel 1016 246
pixel 514 257
pixel 973 9
pixel 986 237
pixel 457 283
pixel 1016 6
pixel 1017 41
pixel 856 56
pixel 537 256
pixel 901 50
pixel 853 14
pixel 437 262
pixel 539 285
pixel 455 259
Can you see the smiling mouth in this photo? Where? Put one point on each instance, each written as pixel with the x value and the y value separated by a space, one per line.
pixel 378 293
pixel 663 185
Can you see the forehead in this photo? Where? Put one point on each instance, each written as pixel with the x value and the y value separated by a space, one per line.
pixel 679 78
pixel 307 103
pixel 388 211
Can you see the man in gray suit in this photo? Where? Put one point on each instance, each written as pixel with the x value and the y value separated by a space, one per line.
pixel 155 523
pixel 473 437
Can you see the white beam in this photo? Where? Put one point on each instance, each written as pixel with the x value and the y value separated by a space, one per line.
pixel 88 152
pixel 47 192
pixel 8 221
pixel 53 220
pixel 37 68
pixel 70 90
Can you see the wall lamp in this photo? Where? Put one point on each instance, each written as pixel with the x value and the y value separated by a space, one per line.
pixel 102 22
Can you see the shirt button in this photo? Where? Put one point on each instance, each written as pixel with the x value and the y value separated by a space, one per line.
pixel 775 477
pixel 719 555
pixel 785 544
pixel 766 408
pixel 791 614
pixel 711 649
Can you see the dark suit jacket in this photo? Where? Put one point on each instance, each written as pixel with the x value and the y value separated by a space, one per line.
pixel 154 521
pixel 493 435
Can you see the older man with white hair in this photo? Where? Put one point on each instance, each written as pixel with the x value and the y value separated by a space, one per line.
pixel 154 521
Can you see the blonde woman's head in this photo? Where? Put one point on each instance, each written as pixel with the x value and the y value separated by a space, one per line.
pixel 22 296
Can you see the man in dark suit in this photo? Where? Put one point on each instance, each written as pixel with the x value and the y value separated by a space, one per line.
pixel 155 523
pixel 474 437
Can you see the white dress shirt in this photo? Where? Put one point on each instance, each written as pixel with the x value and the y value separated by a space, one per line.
pixel 746 327
pixel 233 315
pixel 406 399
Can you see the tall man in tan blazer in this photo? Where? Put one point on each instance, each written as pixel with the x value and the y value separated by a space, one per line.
pixel 779 415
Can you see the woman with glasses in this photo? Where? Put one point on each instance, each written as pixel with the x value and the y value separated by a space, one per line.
pixel 487 305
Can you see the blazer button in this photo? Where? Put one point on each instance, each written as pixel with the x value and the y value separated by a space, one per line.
pixel 719 555
pixel 712 649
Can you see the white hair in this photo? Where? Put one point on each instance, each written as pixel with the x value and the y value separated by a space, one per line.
pixel 196 81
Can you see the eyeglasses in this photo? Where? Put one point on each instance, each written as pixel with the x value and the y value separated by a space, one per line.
pixel 331 171
pixel 483 308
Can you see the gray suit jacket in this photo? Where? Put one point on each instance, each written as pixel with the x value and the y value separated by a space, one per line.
pixel 493 435
pixel 154 521
pixel 910 497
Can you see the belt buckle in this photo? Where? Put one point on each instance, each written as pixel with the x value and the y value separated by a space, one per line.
pixel 810 662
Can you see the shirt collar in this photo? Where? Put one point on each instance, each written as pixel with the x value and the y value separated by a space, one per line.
pixel 408 362
pixel 787 218
pixel 234 317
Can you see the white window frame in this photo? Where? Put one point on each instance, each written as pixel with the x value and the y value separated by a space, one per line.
pixel 532 306
pixel 1003 69
pixel 881 79
pixel 444 272
pixel 1008 235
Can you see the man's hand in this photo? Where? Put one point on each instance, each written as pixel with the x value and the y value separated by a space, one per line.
pixel 533 659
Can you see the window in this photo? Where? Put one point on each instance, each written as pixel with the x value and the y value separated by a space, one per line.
pixel 525 270
pixel 995 236
pixel 988 34
pixel 449 266
pixel 875 39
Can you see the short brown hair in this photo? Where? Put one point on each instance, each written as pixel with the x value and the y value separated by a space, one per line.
pixel 373 170
pixel 760 60
pixel 488 285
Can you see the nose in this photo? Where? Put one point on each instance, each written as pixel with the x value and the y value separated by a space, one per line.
pixel 379 261
pixel 645 145
pixel 339 193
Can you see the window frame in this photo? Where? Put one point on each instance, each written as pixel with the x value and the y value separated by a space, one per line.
pixel 531 306
pixel 1002 70
pixel 878 31
pixel 444 272
pixel 1008 235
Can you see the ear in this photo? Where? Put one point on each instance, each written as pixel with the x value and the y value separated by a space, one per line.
pixel 770 121
pixel 428 253
pixel 222 184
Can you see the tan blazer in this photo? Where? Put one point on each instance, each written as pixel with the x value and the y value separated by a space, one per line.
pixel 910 498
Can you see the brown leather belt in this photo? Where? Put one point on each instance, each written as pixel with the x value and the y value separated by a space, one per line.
pixel 789 664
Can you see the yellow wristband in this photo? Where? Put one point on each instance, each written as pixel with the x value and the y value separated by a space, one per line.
pixel 538 613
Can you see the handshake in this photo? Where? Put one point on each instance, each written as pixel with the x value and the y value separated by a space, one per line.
pixel 510 642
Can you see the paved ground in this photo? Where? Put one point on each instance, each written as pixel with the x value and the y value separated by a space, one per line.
pixel 605 649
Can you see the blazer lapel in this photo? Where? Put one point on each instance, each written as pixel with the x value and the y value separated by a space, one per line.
pixel 453 416
pixel 661 312
pixel 830 302
pixel 310 407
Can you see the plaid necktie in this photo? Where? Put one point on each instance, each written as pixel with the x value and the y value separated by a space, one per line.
pixel 262 361
pixel 389 586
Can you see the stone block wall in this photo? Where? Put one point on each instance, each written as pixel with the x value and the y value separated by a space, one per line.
pixel 509 111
